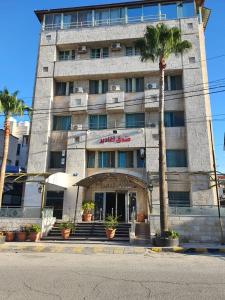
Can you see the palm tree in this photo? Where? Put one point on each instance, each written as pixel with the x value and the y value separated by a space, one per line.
pixel 9 106
pixel 158 44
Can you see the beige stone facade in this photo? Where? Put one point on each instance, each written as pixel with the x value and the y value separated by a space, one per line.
pixel 124 97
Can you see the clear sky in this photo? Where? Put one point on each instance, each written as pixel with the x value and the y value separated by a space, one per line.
pixel 19 36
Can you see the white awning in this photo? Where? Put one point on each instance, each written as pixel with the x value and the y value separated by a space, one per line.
pixel 60 179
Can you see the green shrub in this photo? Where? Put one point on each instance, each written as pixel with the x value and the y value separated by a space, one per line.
pixel 35 228
pixel 67 225
pixel 88 206
pixel 111 222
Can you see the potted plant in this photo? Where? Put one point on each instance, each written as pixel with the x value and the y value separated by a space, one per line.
pixel 9 236
pixel 88 207
pixel 66 228
pixel 21 235
pixel 34 232
pixel 169 239
pixel 111 223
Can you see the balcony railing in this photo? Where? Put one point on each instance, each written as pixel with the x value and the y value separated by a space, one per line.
pixel 104 22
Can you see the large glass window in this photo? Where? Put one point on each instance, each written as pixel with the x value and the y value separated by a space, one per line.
pixel 174 118
pixel 106 159
pixel 60 89
pixel 173 83
pixel 134 14
pixel 125 159
pixel 98 86
pixel 99 53
pixel 176 158
pixel 85 18
pixel 179 199
pixel 61 122
pixel 140 160
pixel 102 17
pixel 70 20
pixel 169 10
pixel 117 15
pixel 187 9
pixel 151 12
pixel 134 85
pixel 97 122
pixel 67 55
pixel 53 21
pixel 136 120
pixel 57 159
pixel 139 84
pixel 90 159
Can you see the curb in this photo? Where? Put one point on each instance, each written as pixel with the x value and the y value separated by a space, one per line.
pixel 80 249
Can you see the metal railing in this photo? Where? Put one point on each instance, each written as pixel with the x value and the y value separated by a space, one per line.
pixel 25 212
pixel 195 210
pixel 104 22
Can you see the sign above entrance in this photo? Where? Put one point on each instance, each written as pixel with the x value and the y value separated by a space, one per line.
pixel 115 139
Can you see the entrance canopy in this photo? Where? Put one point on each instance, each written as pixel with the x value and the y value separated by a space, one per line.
pixel 124 180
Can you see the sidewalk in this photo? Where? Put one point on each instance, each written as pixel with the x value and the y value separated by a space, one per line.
pixel 105 248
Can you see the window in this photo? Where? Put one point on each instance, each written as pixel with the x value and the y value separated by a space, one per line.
pixel 173 83
pixel 61 122
pixel 102 17
pixel 100 53
pixel 85 18
pixel 117 15
pixel 187 9
pixel 71 87
pixel 179 199
pixel 57 159
pixel 60 89
pixel 17 163
pixel 67 55
pixel 134 14
pixel 18 149
pixel 125 159
pixel 169 10
pixel 53 21
pixel 140 160
pixel 106 159
pixel 151 12
pixel 130 51
pixel 45 69
pixel 25 139
pixel 136 120
pixel 134 85
pixel 176 158
pixel 90 159
pixel 97 122
pixel 70 20
pixel 174 119
pixel 98 86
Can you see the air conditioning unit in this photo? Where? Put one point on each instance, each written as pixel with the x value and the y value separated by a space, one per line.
pixel 115 87
pixel 116 46
pixel 82 49
pixel 79 89
pixel 152 85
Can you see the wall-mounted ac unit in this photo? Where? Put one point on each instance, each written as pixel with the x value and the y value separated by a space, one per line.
pixel 116 46
pixel 79 89
pixel 152 85
pixel 82 49
pixel 115 87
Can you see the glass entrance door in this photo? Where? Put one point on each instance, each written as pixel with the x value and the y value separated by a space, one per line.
pixel 121 207
pixel 110 205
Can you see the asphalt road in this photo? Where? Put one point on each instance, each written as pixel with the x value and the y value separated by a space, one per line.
pixel 73 276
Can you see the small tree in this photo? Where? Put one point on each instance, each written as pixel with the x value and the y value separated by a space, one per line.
pixel 9 106
pixel 158 44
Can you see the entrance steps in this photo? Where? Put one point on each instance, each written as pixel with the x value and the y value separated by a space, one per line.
pixel 91 231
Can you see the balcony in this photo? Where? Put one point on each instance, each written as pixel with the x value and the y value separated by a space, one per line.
pixel 152 99
pixel 115 101
pixel 78 102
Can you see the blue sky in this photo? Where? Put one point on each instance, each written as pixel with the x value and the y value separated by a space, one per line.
pixel 19 32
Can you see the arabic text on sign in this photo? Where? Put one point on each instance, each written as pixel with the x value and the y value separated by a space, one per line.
pixel 114 139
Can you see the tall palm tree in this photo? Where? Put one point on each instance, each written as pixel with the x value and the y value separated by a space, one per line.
pixel 10 105
pixel 158 44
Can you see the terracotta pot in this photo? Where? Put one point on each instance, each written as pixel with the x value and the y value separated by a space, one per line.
pixel 87 217
pixel 65 233
pixel 9 236
pixel 140 217
pixel 110 233
pixel 34 237
pixel 21 236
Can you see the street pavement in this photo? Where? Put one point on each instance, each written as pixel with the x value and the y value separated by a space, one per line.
pixel 104 276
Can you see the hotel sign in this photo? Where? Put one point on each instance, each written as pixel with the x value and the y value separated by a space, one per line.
pixel 115 139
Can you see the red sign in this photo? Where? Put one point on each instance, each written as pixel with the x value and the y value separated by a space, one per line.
pixel 115 139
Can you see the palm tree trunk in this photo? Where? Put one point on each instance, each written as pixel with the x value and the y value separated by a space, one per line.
pixel 162 152
pixel 5 155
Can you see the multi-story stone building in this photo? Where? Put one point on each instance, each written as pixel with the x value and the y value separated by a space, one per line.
pixel 96 109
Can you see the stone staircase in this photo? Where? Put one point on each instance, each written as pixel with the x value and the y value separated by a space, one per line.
pixel 90 231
